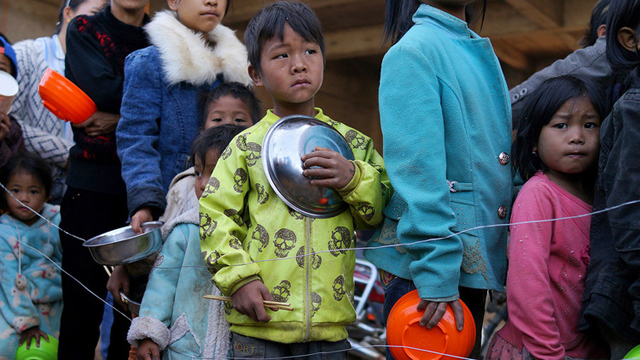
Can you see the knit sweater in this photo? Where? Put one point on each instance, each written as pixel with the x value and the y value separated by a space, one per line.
pixel 96 49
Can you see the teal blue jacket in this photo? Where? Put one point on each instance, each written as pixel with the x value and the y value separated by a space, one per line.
pixel 446 120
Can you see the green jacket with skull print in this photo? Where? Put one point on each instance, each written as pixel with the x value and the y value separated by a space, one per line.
pixel 248 233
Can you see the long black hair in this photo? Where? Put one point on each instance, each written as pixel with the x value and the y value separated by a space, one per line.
pixel 539 108
pixel 398 18
pixel 622 13
pixel 598 18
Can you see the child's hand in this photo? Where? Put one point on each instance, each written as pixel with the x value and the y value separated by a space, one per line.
pixel 248 301
pixel 335 172
pixel 30 333
pixel 5 125
pixel 141 216
pixel 147 350
pixel 99 123
pixel 119 279
pixel 434 311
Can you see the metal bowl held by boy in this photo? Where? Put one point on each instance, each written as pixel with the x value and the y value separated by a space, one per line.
pixel 123 246
pixel 282 149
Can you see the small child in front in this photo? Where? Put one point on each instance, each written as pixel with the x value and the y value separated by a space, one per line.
pixel 30 256
pixel 259 249
pixel 174 316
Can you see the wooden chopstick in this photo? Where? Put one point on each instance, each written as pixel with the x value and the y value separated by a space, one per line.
pixel 267 303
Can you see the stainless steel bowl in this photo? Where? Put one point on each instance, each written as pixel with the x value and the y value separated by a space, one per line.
pixel 134 306
pixel 123 246
pixel 137 287
pixel 283 146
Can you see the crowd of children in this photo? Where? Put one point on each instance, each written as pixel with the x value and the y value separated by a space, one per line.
pixel 177 90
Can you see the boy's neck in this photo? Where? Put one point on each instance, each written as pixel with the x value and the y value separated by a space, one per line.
pixel 282 110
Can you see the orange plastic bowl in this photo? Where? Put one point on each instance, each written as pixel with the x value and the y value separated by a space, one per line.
pixel 410 341
pixel 64 99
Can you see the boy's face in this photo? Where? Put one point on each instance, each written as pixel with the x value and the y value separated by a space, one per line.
pixel 204 170
pixel 227 110
pixel 5 63
pixel 292 71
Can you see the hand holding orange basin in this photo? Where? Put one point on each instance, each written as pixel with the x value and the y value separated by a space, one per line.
pixel 64 99
pixel 410 341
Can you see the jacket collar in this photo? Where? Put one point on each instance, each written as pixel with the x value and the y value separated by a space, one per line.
pixel 186 56
pixel 270 118
pixel 450 23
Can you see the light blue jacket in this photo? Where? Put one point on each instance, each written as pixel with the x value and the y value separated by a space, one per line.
pixel 31 284
pixel 174 313
pixel 446 119
pixel 159 113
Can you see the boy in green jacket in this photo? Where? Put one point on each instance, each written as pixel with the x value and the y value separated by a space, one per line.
pixel 256 247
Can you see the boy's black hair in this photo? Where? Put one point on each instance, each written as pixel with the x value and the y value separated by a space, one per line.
pixel 31 164
pixel 622 13
pixel 598 18
pixel 238 91
pixel 539 108
pixel 398 17
pixel 269 22
pixel 217 138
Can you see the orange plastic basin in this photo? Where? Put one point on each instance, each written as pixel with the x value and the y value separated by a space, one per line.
pixel 410 341
pixel 64 99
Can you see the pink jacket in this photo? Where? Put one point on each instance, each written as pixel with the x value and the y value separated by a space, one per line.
pixel 547 265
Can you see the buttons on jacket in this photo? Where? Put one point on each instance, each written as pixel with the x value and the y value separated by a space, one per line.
pixel 502 212
pixel 504 158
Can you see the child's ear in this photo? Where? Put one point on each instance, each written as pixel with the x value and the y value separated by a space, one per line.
pixel 602 30
pixel 173 4
pixel 255 76
pixel 627 39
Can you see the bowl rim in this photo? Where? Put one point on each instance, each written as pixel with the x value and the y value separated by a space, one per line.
pixel 276 185
pixel 90 243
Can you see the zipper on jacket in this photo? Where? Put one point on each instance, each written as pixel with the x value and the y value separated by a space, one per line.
pixel 308 275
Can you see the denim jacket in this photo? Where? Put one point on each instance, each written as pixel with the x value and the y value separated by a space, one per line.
pixel 159 114
pixel 612 288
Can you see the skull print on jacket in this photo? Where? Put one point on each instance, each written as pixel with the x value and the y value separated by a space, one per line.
pixel 311 265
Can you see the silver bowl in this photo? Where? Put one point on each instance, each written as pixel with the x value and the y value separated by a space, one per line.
pixel 283 146
pixel 137 287
pixel 123 246
pixel 134 306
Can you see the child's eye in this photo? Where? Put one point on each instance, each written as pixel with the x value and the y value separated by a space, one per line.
pixel 590 125
pixel 310 51
pixel 560 126
pixel 240 120
pixel 281 56
pixel 216 120
pixel 198 174
pixel 15 191
pixel 35 192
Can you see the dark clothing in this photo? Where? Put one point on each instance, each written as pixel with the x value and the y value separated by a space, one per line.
pixel 96 49
pixel 612 289
pixel 12 144
pixel 95 201
pixel 82 312
pixel 245 347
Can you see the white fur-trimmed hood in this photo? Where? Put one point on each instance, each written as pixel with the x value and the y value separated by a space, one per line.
pixel 186 57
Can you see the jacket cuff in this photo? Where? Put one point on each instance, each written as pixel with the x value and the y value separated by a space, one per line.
pixel 146 196
pixel 244 282
pixel 147 327
pixel 355 180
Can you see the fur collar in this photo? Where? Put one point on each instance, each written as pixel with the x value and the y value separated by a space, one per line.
pixel 186 57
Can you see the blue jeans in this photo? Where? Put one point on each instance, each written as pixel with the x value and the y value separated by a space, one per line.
pixel 395 288
pixel 245 347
